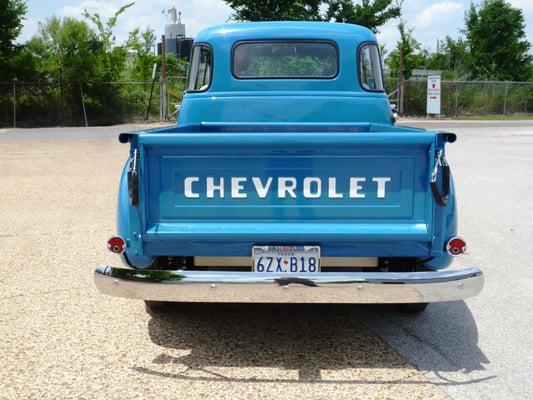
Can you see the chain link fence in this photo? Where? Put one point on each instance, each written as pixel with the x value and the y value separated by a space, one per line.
pixel 468 98
pixel 37 104
pixel 32 104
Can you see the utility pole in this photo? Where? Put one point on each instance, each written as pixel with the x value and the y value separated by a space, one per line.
pixel 163 101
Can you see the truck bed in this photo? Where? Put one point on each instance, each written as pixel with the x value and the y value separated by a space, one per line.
pixel 390 212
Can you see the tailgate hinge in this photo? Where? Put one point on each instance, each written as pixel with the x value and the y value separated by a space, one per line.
pixel 133 179
pixel 441 198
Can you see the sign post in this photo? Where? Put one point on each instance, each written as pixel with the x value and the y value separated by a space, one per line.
pixel 433 95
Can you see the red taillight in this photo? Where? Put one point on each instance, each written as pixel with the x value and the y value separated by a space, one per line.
pixel 456 246
pixel 116 244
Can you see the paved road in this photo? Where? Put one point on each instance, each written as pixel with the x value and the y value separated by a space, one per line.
pixel 482 348
pixel 62 339
pixel 70 133
pixel 107 132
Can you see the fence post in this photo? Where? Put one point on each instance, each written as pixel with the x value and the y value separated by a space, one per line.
pixel 15 102
pixel 83 106
pixel 505 98
pixel 457 92
pixel 154 70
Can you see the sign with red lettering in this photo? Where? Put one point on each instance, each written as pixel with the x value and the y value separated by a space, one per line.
pixel 433 95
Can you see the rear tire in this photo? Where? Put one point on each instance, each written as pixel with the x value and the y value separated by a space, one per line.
pixel 414 308
pixel 163 263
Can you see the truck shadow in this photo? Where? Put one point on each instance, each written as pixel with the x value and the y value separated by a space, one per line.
pixel 300 342
pixel 443 339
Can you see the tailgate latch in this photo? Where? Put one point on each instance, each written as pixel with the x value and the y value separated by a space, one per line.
pixel 133 179
pixel 441 198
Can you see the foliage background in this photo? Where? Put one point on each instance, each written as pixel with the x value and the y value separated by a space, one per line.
pixel 75 62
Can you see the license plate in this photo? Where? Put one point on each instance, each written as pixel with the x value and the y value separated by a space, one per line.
pixel 286 259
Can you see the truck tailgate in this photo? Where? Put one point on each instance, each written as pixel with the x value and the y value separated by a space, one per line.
pixel 328 188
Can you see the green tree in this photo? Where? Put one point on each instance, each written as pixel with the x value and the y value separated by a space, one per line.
pixel 65 50
pixel 110 101
pixel 452 57
pixel 110 58
pixel 497 42
pixel 82 62
pixel 64 54
pixel 404 59
pixel 369 13
pixel 141 43
pixel 11 16
pixel 176 67
pixel 410 49
pixel 288 10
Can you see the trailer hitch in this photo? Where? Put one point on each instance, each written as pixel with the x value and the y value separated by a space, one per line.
pixel 441 199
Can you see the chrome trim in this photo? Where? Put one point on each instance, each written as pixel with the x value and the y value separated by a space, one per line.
pixel 325 287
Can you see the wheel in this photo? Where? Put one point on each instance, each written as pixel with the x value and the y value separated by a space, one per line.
pixel 413 307
pixel 165 264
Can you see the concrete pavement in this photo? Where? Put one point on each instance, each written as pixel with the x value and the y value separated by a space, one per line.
pixel 63 339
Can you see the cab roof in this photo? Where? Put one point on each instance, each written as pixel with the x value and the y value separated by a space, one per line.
pixel 285 30
pixel 222 39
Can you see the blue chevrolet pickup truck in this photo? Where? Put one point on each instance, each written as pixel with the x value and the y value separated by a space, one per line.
pixel 286 180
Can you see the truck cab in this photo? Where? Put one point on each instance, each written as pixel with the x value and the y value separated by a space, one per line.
pixel 285 180
pixel 285 72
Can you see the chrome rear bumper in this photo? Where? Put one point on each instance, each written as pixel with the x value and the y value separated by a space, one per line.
pixel 326 287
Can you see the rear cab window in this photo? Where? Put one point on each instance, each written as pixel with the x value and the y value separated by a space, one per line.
pixel 285 60
pixel 201 69
pixel 370 72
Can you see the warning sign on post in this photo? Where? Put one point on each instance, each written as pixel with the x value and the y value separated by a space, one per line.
pixel 433 98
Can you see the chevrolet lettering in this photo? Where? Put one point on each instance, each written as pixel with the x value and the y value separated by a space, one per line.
pixel 283 187
pixel 287 180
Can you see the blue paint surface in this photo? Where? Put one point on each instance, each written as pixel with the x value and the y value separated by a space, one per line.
pixel 297 128
pixel 402 224
pixel 285 100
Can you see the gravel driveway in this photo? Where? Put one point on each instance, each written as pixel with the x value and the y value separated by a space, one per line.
pixel 62 339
